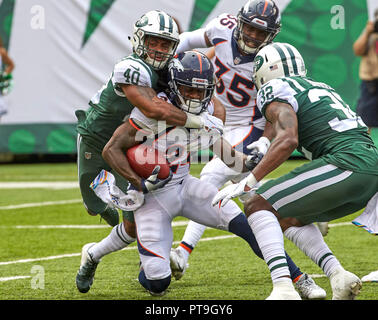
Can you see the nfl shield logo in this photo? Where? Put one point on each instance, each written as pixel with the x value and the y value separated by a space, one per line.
pixel 237 60
pixel 88 155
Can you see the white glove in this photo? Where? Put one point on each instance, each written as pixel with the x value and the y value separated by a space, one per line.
pixel 105 188
pixel 262 145
pixel 211 123
pixel 235 190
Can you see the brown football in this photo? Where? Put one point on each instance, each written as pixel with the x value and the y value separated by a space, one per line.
pixel 143 159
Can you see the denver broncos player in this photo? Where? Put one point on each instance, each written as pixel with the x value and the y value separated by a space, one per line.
pixel 133 83
pixel 236 40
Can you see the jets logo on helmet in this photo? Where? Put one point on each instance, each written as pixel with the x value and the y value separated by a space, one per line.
pixel 191 81
pixel 155 24
pixel 277 60
pixel 262 15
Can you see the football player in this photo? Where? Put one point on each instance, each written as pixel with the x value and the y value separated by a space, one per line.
pixel 340 179
pixel 131 84
pixel 191 88
pixel 236 39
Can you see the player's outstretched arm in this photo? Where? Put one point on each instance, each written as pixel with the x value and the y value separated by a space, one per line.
pixel 193 39
pixel 114 153
pixel 146 100
pixel 285 125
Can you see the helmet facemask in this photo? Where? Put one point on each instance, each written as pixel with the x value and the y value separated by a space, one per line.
pixel 191 81
pixel 196 104
pixel 155 58
pixel 264 17
pixel 243 38
pixel 155 38
pixel 193 97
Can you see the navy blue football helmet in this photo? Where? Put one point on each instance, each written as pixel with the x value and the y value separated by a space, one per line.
pixel 263 15
pixel 191 81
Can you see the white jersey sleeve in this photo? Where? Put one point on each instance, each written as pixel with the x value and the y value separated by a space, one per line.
pixel 132 71
pixel 276 90
pixel 218 28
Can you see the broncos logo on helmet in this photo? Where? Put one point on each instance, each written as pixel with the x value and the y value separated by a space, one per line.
pixel 262 15
pixel 191 81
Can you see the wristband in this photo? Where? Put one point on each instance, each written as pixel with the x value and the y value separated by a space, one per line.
pixel 251 181
pixel 266 141
pixel 193 121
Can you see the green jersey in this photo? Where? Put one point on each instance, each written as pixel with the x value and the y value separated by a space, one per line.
pixel 327 127
pixel 109 106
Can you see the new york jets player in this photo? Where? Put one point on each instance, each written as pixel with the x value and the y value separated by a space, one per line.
pixel 340 179
pixel 236 41
pixel 132 84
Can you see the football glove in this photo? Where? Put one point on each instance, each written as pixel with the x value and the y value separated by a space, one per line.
pixel 253 159
pixel 262 145
pixel 235 190
pixel 153 182
pixel 211 123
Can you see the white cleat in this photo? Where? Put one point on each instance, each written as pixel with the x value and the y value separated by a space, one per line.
pixel 284 290
pixel 178 263
pixel 345 285
pixel 308 289
pixel 323 227
pixel 371 277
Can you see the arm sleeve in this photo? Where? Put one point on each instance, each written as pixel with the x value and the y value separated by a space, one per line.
pixel 276 90
pixel 131 71
pixel 192 40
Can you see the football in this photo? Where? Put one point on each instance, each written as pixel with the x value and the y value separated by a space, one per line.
pixel 143 159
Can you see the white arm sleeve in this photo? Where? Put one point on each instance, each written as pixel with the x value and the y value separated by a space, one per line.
pixel 192 40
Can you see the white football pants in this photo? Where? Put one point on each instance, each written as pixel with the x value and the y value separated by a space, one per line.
pixel 191 199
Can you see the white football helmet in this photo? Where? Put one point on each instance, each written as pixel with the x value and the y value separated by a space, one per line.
pixel 277 60
pixel 159 24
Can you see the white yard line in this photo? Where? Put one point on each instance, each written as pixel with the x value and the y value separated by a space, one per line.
pixel 103 226
pixel 40 185
pixel 40 204
pixel 13 278
pixel 77 226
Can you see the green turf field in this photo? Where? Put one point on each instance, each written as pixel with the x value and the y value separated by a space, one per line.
pixel 44 226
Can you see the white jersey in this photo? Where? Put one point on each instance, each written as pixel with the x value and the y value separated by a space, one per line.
pixel 235 88
pixel 175 142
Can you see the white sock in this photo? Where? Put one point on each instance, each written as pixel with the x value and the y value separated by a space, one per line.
pixel 116 240
pixel 192 235
pixel 194 230
pixel 309 239
pixel 269 236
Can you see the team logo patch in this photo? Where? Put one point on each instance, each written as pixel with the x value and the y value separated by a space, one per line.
pixel 88 155
pixel 142 22
pixel 258 62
